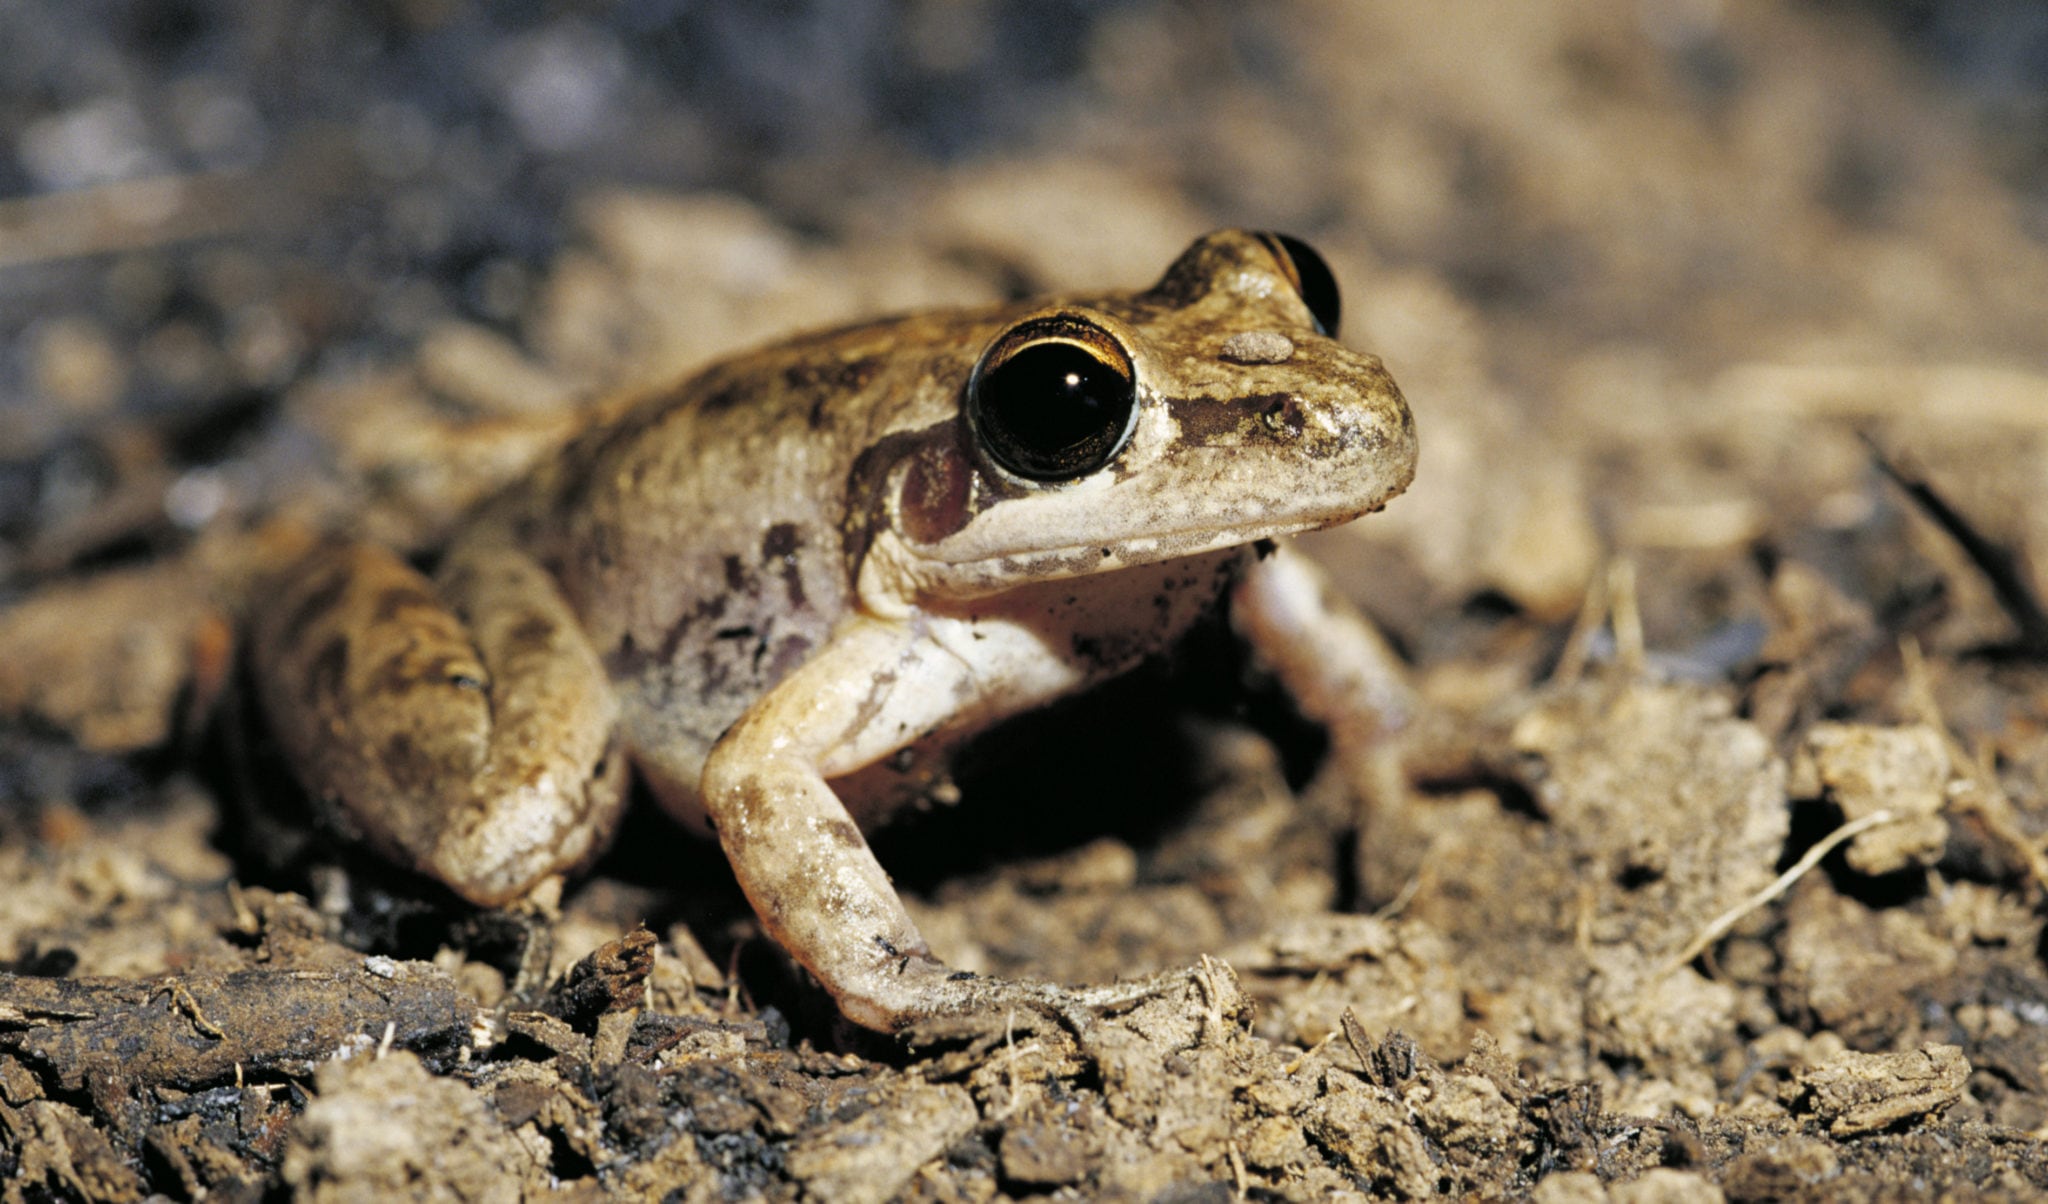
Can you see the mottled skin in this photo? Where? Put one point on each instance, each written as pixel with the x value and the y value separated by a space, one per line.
pixel 802 564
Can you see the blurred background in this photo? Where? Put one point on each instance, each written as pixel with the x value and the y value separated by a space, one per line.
pixel 1667 283
pixel 1646 268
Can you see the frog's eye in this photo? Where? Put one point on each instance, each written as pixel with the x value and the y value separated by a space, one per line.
pixel 1054 399
pixel 1311 277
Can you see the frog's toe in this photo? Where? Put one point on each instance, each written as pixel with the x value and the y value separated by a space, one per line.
pixel 955 1007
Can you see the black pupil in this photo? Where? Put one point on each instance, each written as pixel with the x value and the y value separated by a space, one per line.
pixel 1053 410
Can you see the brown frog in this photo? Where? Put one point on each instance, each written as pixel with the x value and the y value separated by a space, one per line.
pixel 782 589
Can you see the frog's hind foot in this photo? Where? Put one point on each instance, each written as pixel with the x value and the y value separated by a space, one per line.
pixel 982 1011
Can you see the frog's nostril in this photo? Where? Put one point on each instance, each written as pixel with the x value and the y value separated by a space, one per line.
pixel 1283 416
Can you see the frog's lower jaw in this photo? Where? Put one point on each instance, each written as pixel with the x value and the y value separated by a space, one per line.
pixel 895 579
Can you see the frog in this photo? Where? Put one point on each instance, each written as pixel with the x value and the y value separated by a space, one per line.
pixel 782 592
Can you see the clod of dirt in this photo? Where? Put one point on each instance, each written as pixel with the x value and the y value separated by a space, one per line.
pixel 1818 637
pixel 63 1151
pixel 612 979
pixel 1663 1185
pixel 871 1157
pixel 1660 1185
pixel 1779 1169
pixel 1365 1128
pixel 128 659
pixel 1854 970
pixel 105 661
pixel 385 1129
pixel 1863 769
pixel 1052 1147
pixel 1656 810
pixel 1391 973
pixel 1856 1093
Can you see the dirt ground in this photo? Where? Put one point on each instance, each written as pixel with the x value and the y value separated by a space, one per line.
pixel 1714 868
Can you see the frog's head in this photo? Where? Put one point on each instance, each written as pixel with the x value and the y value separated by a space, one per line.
pixel 1213 409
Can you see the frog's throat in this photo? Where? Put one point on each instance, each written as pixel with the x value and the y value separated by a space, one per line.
pixel 895 580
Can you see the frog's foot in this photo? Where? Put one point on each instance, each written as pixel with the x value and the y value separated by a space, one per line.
pixel 928 1002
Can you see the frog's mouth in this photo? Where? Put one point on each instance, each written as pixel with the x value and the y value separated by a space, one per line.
pixel 908 571
pixel 1083 559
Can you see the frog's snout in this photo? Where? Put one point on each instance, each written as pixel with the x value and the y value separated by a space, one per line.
pixel 1350 433
pixel 1341 407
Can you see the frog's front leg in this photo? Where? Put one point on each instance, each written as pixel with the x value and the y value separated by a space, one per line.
pixel 462 726
pixel 877 687
pixel 805 866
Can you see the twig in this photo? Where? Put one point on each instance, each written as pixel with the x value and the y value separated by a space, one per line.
pixel 124 216
pixel 1626 616
pixel 1728 919
pixel 1578 646
pixel 1354 1036
pixel 1986 800
pixel 732 981
pixel 1212 1007
pixel 1399 903
pixel 1289 1070
pixel 1999 564
pixel 1612 599
pixel 182 1001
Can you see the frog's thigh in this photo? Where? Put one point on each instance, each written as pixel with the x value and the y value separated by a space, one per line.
pixel 462 726
pixel 802 861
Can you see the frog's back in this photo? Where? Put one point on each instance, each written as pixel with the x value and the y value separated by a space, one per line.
pixel 707 534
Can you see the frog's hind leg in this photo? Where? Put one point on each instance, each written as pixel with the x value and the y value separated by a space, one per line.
pixel 463 725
